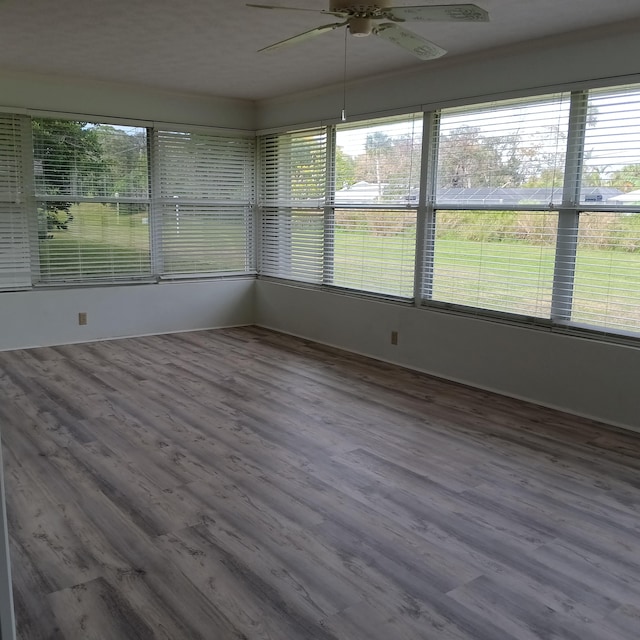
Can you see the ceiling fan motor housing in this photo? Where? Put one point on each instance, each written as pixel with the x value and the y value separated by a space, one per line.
pixel 361 15
pixel 360 27
pixel 357 9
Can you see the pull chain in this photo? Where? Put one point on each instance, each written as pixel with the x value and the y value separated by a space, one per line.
pixel 343 115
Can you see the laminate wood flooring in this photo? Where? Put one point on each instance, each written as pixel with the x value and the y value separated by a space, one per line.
pixel 241 484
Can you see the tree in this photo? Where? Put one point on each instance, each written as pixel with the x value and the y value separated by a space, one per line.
pixel 377 149
pixel 469 159
pixel 124 163
pixel 345 169
pixel 626 179
pixel 403 167
pixel 306 158
pixel 67 162
pixel 390 162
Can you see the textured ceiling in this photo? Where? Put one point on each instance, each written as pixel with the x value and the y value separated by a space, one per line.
pixel 210 46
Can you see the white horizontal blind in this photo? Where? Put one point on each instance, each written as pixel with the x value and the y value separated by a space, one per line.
pixel 507 154
pixel 204 202
pixel 92 192
pixel 292 197
pixel 611 168
pixel 377 178
pixel 607 274
pixel 500 168
pixel 374 250
pixel 293 244
pixel 14 233
pixel 497 260
pixel 378 161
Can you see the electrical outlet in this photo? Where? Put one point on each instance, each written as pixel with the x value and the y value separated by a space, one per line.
pixel 394 337
pixel 82 318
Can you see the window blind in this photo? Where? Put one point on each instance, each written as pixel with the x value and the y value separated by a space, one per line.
pixel 507 154
pixel 492 240
pixel 378 161
pixel 611 167
pixel 92 194
pixel 293 244
pixel 292 198
pixel 204 202
pixel 373 227
pixel 607 272
pixel 374 250
pixel 15 267
pixel 497 260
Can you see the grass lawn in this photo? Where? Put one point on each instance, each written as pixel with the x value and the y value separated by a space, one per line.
pixel 377 263
pixel 514 275
pixel 99 242
pixel 505 276
pixel 102 242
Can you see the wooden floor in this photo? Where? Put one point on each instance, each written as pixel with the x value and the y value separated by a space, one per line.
pixel 241 484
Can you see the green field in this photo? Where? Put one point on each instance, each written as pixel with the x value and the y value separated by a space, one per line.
pixel 484 266
pixel 99 241
pixel 104 241
pixel 513 275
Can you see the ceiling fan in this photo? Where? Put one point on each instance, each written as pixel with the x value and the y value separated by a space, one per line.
pixel 362 19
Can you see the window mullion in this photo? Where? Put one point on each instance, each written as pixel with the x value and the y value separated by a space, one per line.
pixel 155 211
pixel 329 208
pixel 28 194
pixel 425 226
pixel 567 241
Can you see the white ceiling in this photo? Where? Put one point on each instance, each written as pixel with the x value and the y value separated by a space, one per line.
pixel 210 46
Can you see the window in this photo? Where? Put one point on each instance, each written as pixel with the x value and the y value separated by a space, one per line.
pixel 497 260
pixel 611 167
pixel 374 250
pixel 373 227
pixel 607 273
pixel 15 256
pixel 348 220
pixel 292 197
pixel 92 195
pixel 75 203
pixel 527 207
pixel 204 203
pixel 606 291
pixel 507 154
pixel 500 169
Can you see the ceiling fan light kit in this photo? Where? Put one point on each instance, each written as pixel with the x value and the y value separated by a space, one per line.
pixel 365 19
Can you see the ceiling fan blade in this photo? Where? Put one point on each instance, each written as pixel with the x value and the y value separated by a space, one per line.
pixel 303 36
pixel 439 13
pixel 338 14
pixel 412 42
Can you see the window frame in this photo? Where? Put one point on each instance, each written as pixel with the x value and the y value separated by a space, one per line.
pixel 570 211
pixel 201 146
pixel 568 207
pixel 39 280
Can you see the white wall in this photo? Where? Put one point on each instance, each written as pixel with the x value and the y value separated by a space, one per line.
pixel 93 98
pixel 50 316
pixel 607 52
pixel 584 377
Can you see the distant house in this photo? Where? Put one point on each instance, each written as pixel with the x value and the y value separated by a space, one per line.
pixel 498 196
pixel 361 193
pixel 630 198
